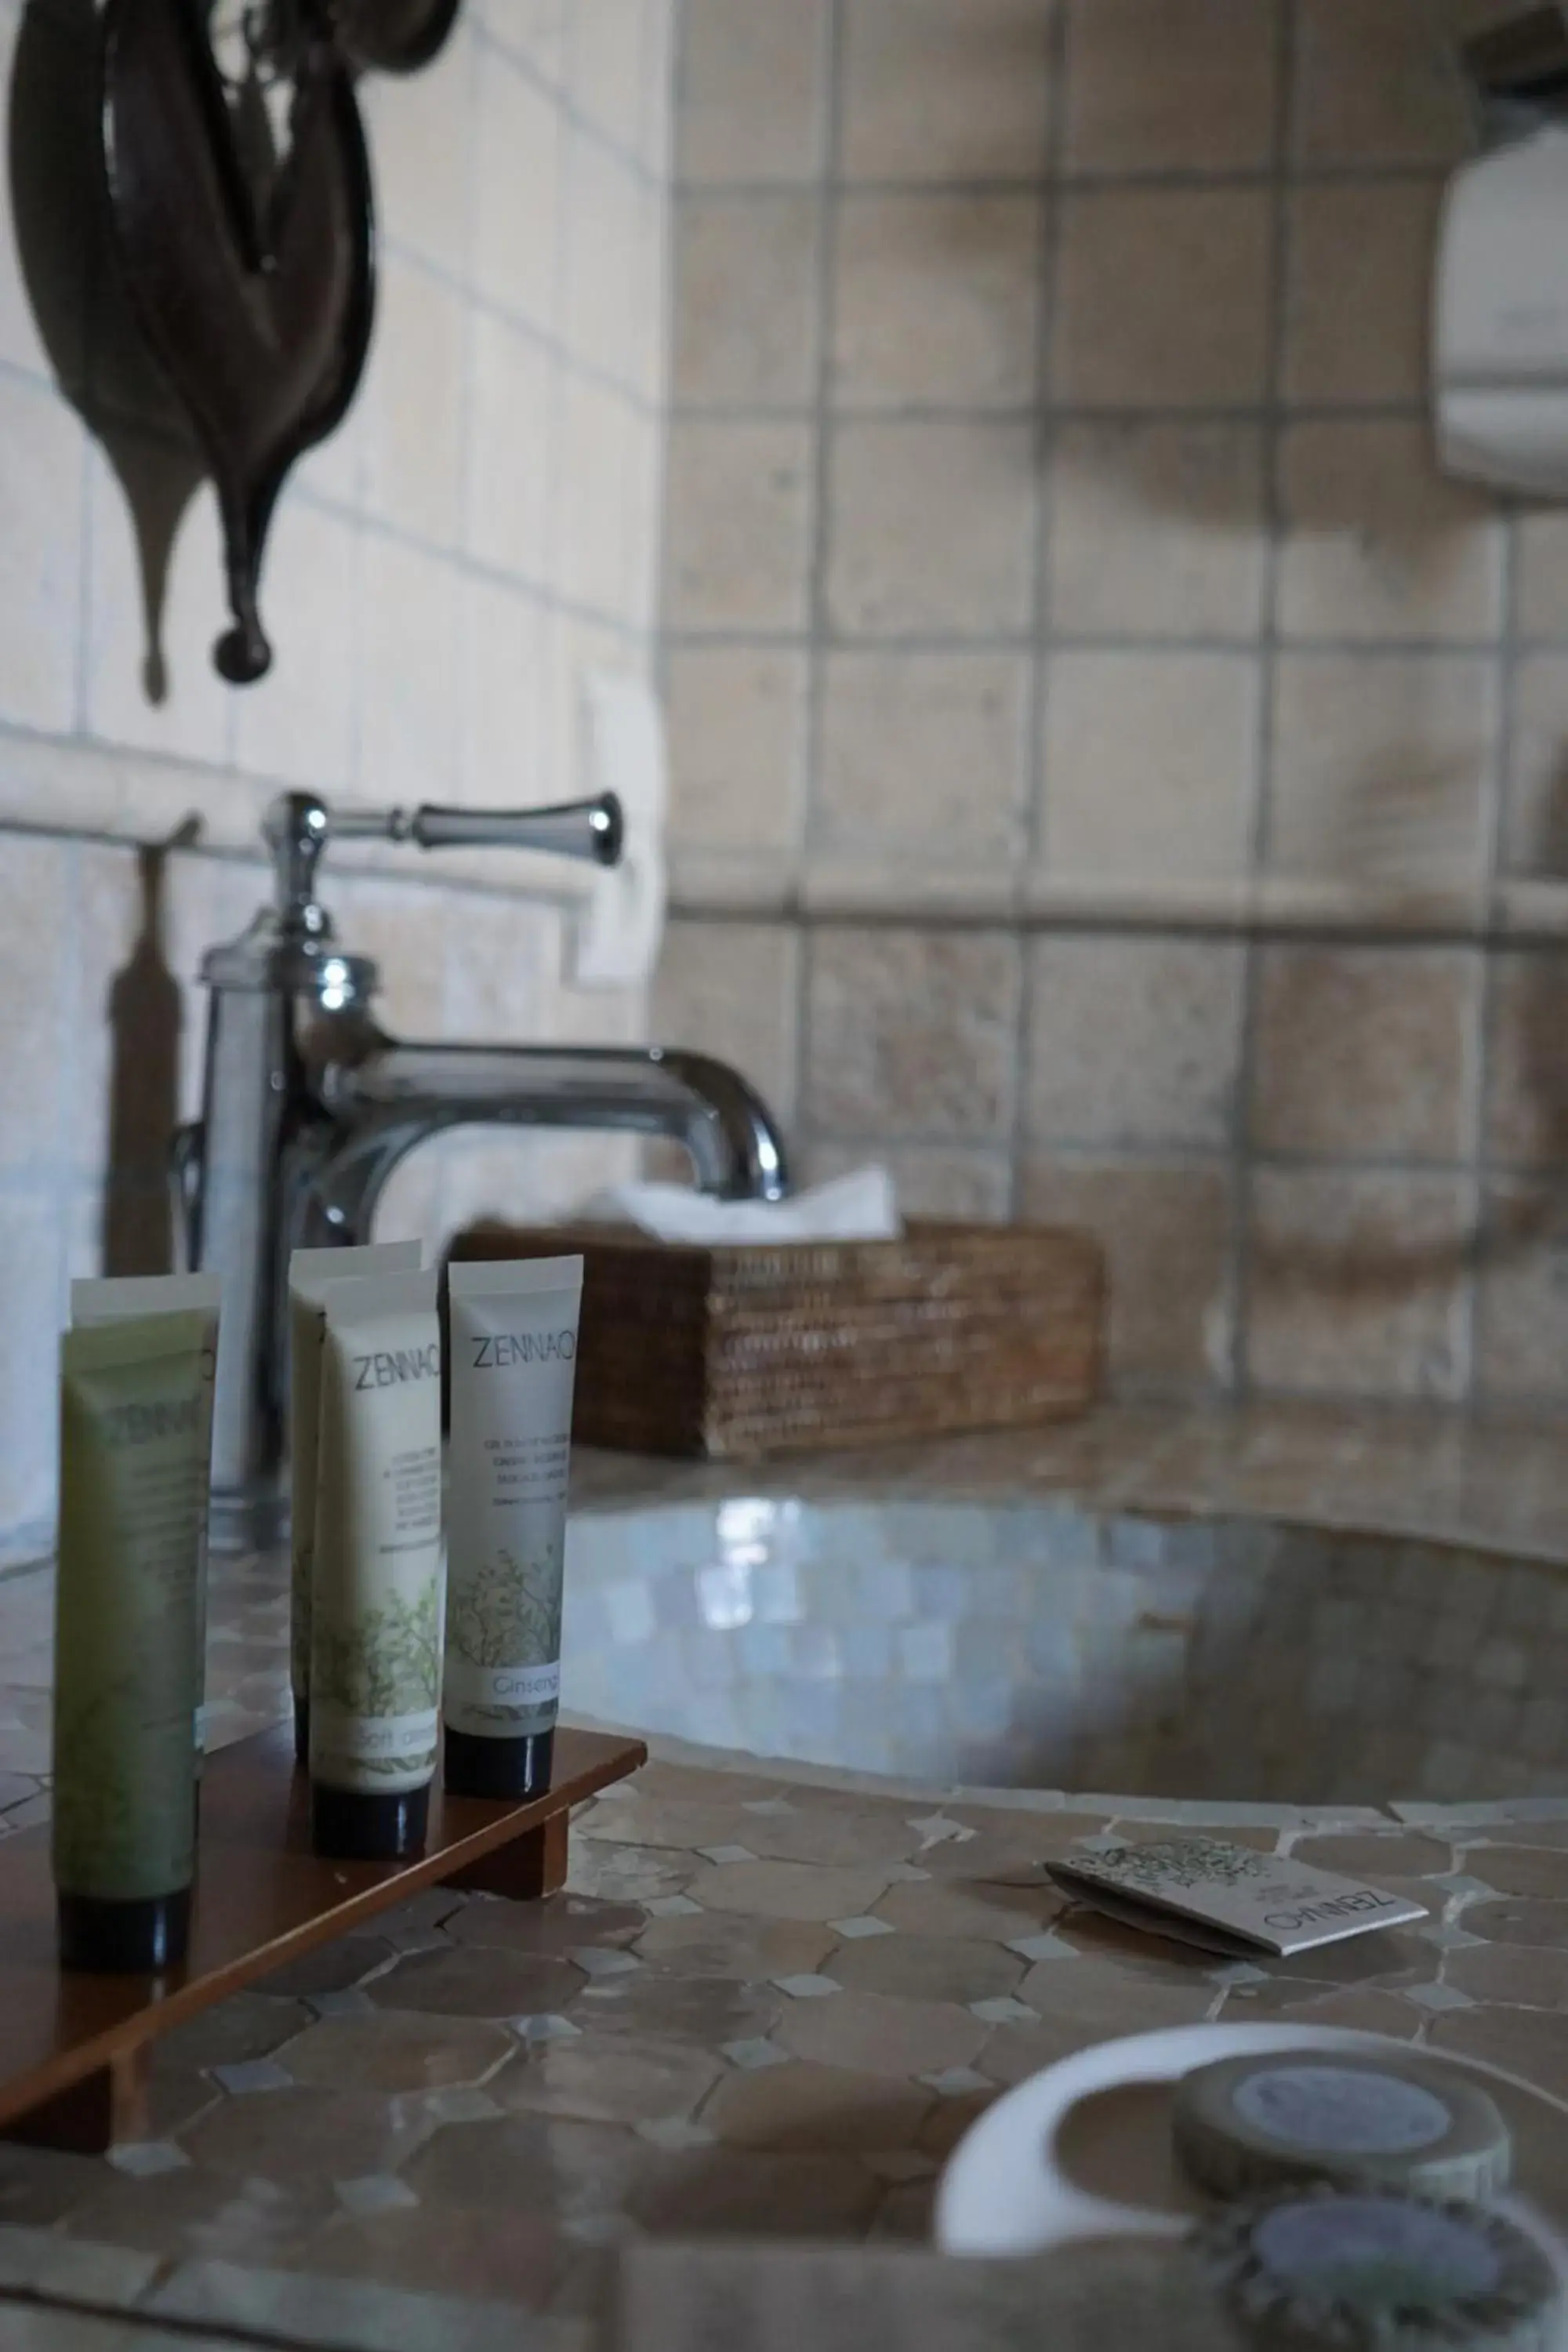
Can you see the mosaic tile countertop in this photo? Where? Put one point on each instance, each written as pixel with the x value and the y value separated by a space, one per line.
pixel 768 2003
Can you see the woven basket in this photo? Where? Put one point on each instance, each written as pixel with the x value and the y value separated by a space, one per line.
pixel 742 1351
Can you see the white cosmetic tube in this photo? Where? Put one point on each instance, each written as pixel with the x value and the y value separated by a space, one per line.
pixel 122 1298
pixel 375 1620
pixel 513 1357
pixel 311 1273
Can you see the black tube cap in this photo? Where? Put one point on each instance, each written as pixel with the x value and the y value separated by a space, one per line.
pixel 352 1826
pixel 145 1937
pixel 478 1767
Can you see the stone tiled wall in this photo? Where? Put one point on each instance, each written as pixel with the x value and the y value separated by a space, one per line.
pixel 1117 777
pixel 482 528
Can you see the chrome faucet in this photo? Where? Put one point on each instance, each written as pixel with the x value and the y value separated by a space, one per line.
pixel 308 1106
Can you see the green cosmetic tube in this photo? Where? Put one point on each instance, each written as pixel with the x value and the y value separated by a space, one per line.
pixel 123 1296
pixel 311 1273
pixel 133 1483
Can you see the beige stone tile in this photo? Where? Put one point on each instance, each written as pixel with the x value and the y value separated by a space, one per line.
pixel 881 2036
pixel 1170 85
pixel 922 756
pixel 786 1890
pixel 402 927
pixel 736 717
pixel 30 1281
pixel 827 2109
pixel 118 1076
pixel 38 949
pixel 297 723
pixel 518 164
pixel 1543 539
pixel 842 1834
pixel 1368 1857
pixel 1521 1281
pixel 1358 1283
pixel 321 2136
pixel 1527 1108
pixel 746 299
pixel 1541 1923
pixel 931 527
pixel 1157 530
pixel 1535 797
pixel 1357 316
pixel 502 690
pixel 944 89
pixel 435 2251
pixel 500 960
pixel 1374 86
pixel 611 2081
pixel 511 418
pixel 574 2170
pixel 1162 297
pixel 736 2192
pixel 1090 2004
pixel 1522 1870
pixel 936 300
pixel 971 1911
pixel 1528 2044
pixel 751 95
pixel 591 561
pixel 394 2053
pixel 717 1944
pixel 550 1930
pixel 1510 1975
pixel 43 477
pixel 911 1033
pixel 931 1180
pixel 1366 1052
pixel 421 135
pixel 1133 1041
pixel 331 1968
pixel 1149 765
pixel 203 2216
pixel 732 990
pixel 407 623
pixel 478 1981
pixel 926 1968
pixel 1377 543
pixel 602 252
pixel 736 548
pixel 1165 1229
pixel 606 51
pixel 1381 766
pixel 657 2006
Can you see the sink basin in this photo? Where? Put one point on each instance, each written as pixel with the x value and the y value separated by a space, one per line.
pixel 1046 1644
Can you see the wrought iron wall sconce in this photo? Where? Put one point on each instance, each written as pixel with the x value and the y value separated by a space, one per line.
pixel 239 192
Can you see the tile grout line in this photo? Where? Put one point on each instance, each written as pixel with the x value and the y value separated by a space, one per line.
pixel 1239 1383
pixel 1033 830
pixel 833 42
pixel 1499 782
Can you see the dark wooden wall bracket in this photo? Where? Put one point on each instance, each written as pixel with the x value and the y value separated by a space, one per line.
pixel 244 226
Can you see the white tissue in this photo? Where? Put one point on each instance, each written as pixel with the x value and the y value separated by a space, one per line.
pixel 861 1207
pixel 618 932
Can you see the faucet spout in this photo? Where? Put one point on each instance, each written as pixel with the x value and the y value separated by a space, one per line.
pixel 380 1106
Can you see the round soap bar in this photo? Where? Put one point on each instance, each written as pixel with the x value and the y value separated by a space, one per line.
pixel 1246 2124
pixel 1375 2270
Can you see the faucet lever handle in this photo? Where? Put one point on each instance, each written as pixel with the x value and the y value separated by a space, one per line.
pixel 593 831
